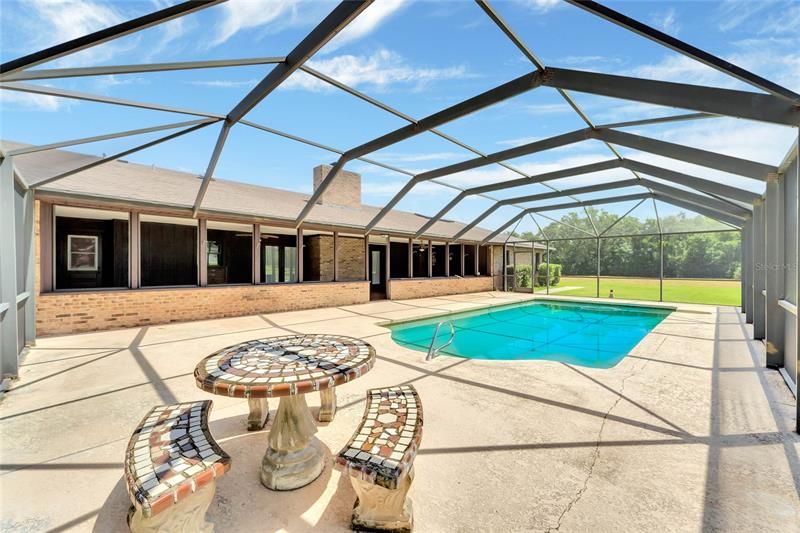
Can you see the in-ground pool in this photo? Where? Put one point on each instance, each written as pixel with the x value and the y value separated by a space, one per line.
pixel 587 334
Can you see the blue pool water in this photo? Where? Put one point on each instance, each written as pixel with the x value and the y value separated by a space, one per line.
pixel 586 334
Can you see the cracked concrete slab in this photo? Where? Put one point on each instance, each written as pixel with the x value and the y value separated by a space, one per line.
pixel 687 433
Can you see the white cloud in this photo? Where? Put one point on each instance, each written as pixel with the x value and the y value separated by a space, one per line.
pixel 57 21
pixel 495 174
pixel 277 15
pixel 171 33
pixel 29 101
pixel 225 84
pixel 585 61
pixel 612 111
pixel 679 68
pixel 367 22
pixel 419 157
pixel 723 135
pixel 735 138
pixel 548 109
pixel 760 42
pixel 748 140
pixel 390 188
pixel 242 15
pixel 667 21
pixel 785 22
pixel 103 83
pixel 70 19
pixel 518 141
pixel 540 6
pixel 381 69
pixel 732 13
pixel 779 65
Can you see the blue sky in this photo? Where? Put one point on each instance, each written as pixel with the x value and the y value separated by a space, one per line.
pixel 417 56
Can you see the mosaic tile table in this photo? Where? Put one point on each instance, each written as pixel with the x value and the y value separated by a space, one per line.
pixel 287 368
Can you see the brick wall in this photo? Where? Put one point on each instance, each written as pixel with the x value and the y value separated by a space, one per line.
pixel 403 289
pixel 320 258
pixel 345 189
pixel 351 258
pixel 62 313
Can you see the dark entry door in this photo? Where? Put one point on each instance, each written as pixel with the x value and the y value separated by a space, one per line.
pixel 377 272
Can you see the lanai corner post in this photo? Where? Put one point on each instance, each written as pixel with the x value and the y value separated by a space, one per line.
pixel 17 267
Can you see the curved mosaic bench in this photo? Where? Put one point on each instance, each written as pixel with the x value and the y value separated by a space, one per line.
pixel 380 458
pixel 171 467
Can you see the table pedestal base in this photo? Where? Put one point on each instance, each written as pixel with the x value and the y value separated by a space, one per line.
pixel 259 413
pixel 294 455
pixel 327 406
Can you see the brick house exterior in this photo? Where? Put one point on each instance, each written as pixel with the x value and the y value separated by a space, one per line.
pixel 334 249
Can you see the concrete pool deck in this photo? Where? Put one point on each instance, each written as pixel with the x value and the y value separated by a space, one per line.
pixel 687 433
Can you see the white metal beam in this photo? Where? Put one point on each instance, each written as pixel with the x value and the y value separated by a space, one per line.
pixel 104 137
pixel 76 95
pixel 727 102
pixel 725 163
pixel 685 49
pixel 111 70
pixel 124 153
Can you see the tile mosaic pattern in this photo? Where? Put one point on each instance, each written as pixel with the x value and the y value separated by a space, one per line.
pixel 171 455
pixel 383 447
pixel 282 366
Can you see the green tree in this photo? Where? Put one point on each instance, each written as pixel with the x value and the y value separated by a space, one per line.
pixel 687 254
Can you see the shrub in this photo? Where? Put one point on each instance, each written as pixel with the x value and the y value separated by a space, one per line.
pixel 555 274
pixel 523 273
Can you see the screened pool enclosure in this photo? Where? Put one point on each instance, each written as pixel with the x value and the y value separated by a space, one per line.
pixel 657 209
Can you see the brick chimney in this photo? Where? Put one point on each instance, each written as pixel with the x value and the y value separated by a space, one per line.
pixel 345 189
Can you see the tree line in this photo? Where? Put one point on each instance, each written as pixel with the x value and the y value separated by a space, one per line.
pixel 716 254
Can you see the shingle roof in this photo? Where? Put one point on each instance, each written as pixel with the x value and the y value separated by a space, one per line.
pixel 160 187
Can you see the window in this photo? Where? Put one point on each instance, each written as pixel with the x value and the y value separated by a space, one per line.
pixel 229 252
pixel 469 259
pixel 278 255
pixel 82 252
pixel 290 263
pixel 398 259
pixel 91 248
pixel 280 264
pixel 168 250
pixel 420 260
pixel 213 253
pixel 439 261
pixel 375 268
pixel 483 260
pixel 455 260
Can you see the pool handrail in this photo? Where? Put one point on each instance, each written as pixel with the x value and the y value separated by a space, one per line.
pixel 434 352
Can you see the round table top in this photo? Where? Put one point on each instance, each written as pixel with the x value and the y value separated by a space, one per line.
pixel 283 366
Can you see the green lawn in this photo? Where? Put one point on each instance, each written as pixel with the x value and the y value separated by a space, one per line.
pixel 720 292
